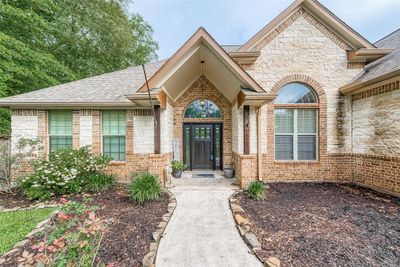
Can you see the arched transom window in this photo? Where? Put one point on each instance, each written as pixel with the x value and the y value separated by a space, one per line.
pixel 202 109
pixel 296 116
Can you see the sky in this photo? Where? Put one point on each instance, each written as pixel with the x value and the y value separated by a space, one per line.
pixel 235 21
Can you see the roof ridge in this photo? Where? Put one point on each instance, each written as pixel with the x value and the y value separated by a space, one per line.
pixel 383 38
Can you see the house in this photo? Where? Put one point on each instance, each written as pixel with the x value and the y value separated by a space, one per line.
pixel 305 99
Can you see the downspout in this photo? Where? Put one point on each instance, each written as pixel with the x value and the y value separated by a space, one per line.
pixel 259 163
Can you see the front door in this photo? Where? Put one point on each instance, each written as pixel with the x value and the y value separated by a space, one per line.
pixel 202 145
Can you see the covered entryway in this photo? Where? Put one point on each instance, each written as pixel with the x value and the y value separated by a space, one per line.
pixel 203 146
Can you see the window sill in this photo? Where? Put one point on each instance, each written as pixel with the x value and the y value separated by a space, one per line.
pixel 116 163
pixel 296 161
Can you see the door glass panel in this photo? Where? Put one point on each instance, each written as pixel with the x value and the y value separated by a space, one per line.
pixel 187 145
pixel 217 146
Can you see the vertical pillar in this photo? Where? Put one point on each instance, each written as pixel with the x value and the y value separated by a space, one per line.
pixel 246 129
pixel 157 141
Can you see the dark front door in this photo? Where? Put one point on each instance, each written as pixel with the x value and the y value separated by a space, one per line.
pixel 202 145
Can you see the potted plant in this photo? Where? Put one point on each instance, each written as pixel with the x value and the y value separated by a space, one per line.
pixel 177 168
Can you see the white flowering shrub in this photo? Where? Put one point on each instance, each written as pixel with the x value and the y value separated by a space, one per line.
pixel 66 171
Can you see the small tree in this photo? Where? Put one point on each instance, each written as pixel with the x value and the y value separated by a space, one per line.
pixel 25 148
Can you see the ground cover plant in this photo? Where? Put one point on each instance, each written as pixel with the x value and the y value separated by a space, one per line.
pixel 66 171
pixel 324 224
pixel 15 225
pixel 145 187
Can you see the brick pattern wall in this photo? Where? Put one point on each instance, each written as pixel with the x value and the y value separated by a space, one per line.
pixel 204 89
pixel 76 114
pixel 246 169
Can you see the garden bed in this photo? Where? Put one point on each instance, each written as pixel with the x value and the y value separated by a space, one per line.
pixel 129 233
pixel 305 224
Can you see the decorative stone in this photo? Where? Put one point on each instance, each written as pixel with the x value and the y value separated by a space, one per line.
pixel 156 236
pixel 153 246
pixel 148 259
pixel 236 208
pixel 233 200
pixel 21 243
pixel 241 220
pixel 166 217
pixel 273 262
pixel 162 225
pixel 252 240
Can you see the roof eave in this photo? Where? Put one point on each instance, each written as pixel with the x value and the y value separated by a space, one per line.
pixel 44 105
pixel 355 86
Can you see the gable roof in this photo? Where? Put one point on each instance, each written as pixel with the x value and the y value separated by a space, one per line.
pixel 381 69
pixel 354 39
pixel 103 90
pixel 183 53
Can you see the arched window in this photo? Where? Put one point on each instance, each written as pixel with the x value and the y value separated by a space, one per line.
pixel 202 109
pixel 296 123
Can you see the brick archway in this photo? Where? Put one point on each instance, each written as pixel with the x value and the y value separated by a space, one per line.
pixel 202 88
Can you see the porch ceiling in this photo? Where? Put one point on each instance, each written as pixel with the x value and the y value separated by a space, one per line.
pixel 214 69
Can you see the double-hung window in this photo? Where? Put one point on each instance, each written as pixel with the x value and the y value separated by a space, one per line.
pixel 60 129
pixel 295 124
pixel 113 125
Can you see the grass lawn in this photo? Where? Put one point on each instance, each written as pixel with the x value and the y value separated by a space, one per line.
pixel 15 225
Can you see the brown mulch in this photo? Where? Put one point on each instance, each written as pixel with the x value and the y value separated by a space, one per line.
pixel 128 237
pixel 14 200
pixel 305 224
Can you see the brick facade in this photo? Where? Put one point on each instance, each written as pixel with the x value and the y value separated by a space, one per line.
pixel 204 89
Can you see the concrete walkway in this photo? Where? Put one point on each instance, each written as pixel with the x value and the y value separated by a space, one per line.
pixel 202 231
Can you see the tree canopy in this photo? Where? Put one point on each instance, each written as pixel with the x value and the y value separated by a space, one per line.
pixel 48 42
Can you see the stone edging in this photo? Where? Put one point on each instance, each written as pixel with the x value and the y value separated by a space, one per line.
pixel 149 260
pixel 38 228
pixel 244 227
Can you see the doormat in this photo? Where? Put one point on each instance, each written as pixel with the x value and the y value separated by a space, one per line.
pixel 203 175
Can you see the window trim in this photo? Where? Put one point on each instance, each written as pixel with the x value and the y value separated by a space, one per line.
pixel 295 133
pixel 113 161
pixel 48 129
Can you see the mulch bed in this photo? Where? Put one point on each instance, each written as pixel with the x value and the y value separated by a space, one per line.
pixel 128 238
pixel 305 224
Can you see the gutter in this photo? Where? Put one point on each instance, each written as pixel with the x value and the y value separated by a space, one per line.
pixel 350 88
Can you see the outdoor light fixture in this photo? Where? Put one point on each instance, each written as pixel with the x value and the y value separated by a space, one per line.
pixel 202 102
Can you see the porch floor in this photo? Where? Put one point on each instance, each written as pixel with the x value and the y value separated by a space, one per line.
pixel 219 180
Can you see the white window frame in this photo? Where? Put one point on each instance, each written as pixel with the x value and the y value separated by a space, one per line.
pixel 295 135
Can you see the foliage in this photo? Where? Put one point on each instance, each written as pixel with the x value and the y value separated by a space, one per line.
pixel 25 148
pixel 145 187
pixel 66 171
pixel 73 241
pixel 177 165
pixel 256 190
pixel 15 225
pixel 48 42
pixel 98 182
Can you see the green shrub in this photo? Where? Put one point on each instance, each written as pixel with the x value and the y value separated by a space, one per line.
pixel 99 182
pixel 177 165
pixel 145 187
pixel 65 172
pixel 256 190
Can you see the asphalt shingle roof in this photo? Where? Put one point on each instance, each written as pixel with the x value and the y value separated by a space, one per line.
pixel 106 88
pixel 385 65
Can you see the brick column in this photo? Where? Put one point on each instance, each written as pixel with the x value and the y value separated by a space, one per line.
pixel 43 134
pixel 129 135
pixel 75 129
pixel 96 134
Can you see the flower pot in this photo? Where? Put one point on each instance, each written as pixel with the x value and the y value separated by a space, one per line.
pixel 229 172
pixel 177 173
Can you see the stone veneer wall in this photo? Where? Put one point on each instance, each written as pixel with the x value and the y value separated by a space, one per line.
pixel 204 89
